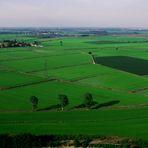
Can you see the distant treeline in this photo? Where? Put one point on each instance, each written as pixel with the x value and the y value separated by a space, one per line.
pixel 15 43
pixel 94 32
pixel 29 140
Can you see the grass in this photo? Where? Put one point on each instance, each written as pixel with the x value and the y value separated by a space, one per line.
pixel 98 76
pixel 115 79
pixel 36 64
pixel 102 122
pixel 112 79
pixel 18 98
pixel 16 79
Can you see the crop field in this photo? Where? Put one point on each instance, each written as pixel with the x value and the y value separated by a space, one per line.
pixel 117 80
pixel 102 122
pixel 15 79
pixel 129 64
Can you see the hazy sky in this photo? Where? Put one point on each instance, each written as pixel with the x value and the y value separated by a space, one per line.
pixel 74 13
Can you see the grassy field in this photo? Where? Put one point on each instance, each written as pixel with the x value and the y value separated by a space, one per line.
pixel 121 122
pixel 120 74
pixel 18 98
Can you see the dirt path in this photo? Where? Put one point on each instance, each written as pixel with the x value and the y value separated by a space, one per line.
pixel 27 84
pixel 139 90
pixel 134 106
pixel 129 106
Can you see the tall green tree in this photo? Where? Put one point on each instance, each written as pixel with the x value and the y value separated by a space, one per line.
pixel 61 43
pixel 90 52
pixel 34 100
pixel 64 101
pixel 88 99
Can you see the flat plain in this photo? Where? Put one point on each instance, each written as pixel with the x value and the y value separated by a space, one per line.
pixel 120 74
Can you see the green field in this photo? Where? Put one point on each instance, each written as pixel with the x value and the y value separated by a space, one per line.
pixel 120 74
pixel 102 122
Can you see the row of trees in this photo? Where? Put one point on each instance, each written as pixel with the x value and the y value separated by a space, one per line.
pixel 63 101
pixel 13 43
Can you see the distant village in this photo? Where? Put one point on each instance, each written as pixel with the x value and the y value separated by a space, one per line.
pixel 15 43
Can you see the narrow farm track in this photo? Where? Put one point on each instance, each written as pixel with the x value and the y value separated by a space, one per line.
pixel 134 106
pixel 27 84
pixel 139 90
pixel 129 106
pixel 112 89
pixel 82 78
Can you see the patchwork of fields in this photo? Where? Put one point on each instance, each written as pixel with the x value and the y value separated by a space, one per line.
pixel 120 74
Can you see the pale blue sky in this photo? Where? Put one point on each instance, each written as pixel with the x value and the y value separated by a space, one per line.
pixel 74 13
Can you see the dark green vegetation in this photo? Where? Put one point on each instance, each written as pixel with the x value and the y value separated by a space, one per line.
pixel 119 79
pixel 124 63
pixel 34 100
pixel 14 43
pixel 64 101
pixel 29 140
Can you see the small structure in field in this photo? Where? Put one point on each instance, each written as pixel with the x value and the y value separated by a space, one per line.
pixel 93 58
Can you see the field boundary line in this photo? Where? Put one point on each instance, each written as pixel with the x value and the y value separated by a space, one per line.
pixel 129 106
pixel 27 84
pixel 138 90
pixel 103 108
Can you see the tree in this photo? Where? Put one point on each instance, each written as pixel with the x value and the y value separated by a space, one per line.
pixel 61 43
pixel 64 101
pixel 34 100
pixel 90 52
pixel 88 99
pixel 36 42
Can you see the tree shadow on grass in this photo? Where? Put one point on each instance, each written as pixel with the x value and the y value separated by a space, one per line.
pixel 111 103
pixel 96 105
pixel 93 105
pixel 52 107
pixel 84 105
